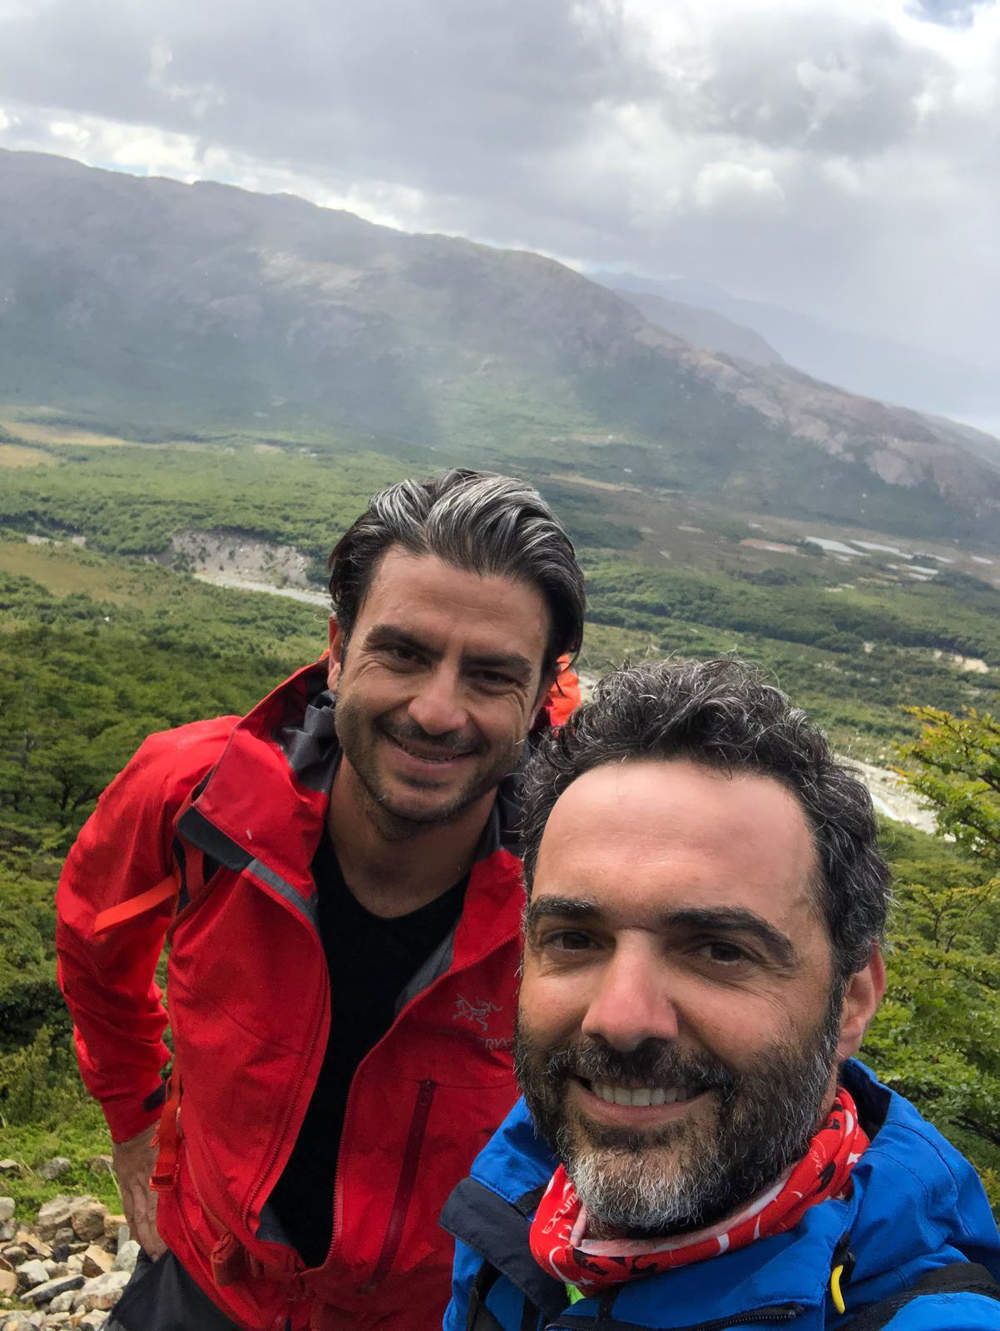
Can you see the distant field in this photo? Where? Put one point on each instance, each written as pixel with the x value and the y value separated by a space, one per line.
pixel 66 570
pixel 15 455
pixel 38 433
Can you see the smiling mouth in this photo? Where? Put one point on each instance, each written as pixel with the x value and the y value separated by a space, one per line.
pixel 641 1097
pixel 428 755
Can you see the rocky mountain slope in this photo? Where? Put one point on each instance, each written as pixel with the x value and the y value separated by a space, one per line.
pixel 150 300
pixel 706 329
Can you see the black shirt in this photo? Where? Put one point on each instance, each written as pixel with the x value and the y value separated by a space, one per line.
pixel 371 961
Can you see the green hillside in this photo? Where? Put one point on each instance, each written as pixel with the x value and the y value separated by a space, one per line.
pixel 101 644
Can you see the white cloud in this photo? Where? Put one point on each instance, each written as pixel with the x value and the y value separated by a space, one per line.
pixel 732 185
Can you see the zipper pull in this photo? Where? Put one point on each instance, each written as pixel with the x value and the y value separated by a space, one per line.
pixel 841 1270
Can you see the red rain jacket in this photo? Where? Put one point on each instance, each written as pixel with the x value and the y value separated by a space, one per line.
pixel 249 1012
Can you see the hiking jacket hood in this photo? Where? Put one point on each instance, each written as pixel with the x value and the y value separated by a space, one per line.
pixel 915 1204
pixel 243 802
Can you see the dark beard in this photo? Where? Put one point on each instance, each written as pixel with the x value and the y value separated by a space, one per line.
pixel 357 734
pixel 764 1119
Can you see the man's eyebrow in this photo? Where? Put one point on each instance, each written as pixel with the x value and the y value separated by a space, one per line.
pixel 380 634
pixel 735 919
pixel 566 908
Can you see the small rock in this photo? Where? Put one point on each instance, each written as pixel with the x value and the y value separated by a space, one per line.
pixel 55 1268
pixel 87 1218
pixel 54 1215
pixel 101 1292
pixel 54 1168
pixel 128 1255
pixel 6 1209
pixel 33 1243
pixel 75 1261
pixel 8 1282
pixel 92 1321
pixel 100 1164
pixel 15 1254
pixel 113 1226
pixel 96 1260
pixel 5 1263
pixel 65 1236
pixel 9 1167
pixel 42 1293
pixel 7 1231
pixel 31 1273
pixel 63 1303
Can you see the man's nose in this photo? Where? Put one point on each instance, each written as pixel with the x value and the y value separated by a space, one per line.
pixel 437 706
pixel 632 1001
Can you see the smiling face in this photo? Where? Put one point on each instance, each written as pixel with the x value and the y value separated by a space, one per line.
pixel 437 687
pixel 679 1023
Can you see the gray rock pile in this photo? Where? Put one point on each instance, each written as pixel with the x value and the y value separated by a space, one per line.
pixel 64 1269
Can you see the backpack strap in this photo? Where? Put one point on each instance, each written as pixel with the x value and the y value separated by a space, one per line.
pixel 955 1278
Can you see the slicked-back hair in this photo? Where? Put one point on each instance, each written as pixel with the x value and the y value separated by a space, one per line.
pixel 474 520
pixel 725 715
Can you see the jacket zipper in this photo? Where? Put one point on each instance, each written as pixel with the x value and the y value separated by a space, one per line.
pixel 428 1088
pixel 281 1137
pixel 405 1186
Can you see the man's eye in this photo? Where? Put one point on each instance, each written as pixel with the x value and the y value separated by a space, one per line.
pixel 567 940
pixel 724 954
pixel 494 680
pixel 397 654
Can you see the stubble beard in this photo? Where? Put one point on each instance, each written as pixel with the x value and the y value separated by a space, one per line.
pixel 688 1174
pixel 398 820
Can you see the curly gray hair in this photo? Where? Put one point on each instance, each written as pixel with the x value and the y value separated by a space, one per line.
pixel 724 714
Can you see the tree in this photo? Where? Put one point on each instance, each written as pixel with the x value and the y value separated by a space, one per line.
pixel 936 1037
pixel 955 765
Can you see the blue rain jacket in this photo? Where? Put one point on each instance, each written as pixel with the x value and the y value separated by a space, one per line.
pixel 916 1205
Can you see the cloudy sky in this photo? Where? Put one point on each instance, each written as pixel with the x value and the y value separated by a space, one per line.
pixel 841 157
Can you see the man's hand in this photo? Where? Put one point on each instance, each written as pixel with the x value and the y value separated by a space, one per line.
pixel 133 1163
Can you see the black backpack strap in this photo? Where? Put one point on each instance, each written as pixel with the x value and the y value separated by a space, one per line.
pixel 479 1317
pixel 955 1278
pixel 498 1230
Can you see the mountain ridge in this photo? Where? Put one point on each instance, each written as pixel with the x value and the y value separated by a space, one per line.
pixel 207 302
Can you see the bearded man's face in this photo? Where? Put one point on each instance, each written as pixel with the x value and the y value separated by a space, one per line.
pixel 680 1022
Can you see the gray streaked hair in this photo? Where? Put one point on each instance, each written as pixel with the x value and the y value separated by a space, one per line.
pixel 724 714
pixel 474 520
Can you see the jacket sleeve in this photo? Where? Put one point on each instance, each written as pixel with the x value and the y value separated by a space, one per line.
pixel 107 979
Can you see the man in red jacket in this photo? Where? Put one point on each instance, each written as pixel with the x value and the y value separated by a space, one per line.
pixel 335 877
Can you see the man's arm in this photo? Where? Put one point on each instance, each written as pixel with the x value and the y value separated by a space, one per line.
pixel 108 977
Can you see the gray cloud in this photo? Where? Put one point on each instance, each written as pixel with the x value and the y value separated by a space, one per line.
pixel 837 156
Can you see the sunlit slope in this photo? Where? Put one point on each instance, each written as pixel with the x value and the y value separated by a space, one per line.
pixel 159 304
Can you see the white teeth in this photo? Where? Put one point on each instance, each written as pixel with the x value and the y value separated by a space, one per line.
pixel 641 1096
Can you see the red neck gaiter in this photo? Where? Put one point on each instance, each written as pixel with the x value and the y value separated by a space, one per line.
pixel 559 1245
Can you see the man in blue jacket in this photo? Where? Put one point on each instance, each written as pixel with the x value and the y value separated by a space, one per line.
pixel 696 1147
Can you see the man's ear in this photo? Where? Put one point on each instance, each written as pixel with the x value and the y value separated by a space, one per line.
pixel 861 999
pixel 336 641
